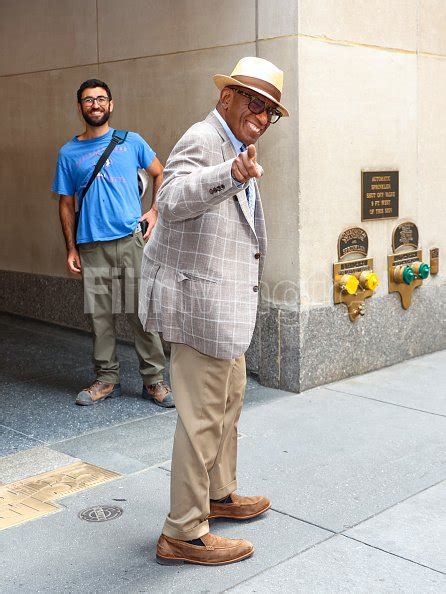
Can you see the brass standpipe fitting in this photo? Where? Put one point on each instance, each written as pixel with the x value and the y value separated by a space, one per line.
pixel 406 274
pixel 353 278
pixel 403 274
pixel 352 287
pixel 349 284
pixel 368 280
pixel 421 270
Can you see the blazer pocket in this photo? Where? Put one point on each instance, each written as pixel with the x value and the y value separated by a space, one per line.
pixel 199 298
pixel 194 276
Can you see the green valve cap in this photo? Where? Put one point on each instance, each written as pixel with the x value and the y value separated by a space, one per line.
pixel 423 271
pixel 408 275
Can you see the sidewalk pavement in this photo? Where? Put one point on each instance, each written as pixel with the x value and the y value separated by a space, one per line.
pixel 355 470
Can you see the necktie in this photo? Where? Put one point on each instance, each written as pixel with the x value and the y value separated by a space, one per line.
pixel 250 192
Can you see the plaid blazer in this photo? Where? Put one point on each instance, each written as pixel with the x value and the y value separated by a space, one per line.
pixel 202 265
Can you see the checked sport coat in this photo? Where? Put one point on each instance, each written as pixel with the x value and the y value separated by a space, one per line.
pixel 203 263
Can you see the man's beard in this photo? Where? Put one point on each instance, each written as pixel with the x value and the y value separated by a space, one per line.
pixel 97 121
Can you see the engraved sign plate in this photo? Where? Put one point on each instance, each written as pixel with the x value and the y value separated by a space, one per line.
pixel 379 195
pixel 406 258
pixel 434 260
pixel 353 240
pixel 353 266
pixel 405 234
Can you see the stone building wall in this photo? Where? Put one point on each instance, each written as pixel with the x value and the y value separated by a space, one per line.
pixel 364 82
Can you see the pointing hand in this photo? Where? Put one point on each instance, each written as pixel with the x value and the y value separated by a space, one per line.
pixel 245 165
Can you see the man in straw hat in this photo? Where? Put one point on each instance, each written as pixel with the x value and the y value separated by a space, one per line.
pixel 200 283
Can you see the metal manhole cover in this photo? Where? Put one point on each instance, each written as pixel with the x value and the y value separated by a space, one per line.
pixel 101 513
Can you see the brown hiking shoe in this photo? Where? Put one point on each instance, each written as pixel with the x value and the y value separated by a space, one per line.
pixel 97 392
pixel 214 551
pixel 239 508
pixel 160 393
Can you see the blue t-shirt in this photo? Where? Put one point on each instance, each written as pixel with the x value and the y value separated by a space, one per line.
pixel 112 206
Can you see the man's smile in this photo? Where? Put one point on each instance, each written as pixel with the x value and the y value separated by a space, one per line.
pixel 253 127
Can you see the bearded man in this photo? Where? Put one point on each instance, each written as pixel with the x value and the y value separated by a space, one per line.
pixel 108 244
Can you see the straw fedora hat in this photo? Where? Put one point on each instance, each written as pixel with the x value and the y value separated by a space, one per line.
pixel 258 75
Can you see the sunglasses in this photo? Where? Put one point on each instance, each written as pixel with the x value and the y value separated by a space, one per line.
pixel 257 106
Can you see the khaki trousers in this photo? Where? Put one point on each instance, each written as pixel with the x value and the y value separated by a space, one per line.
pixel 111 272
pixel 208 397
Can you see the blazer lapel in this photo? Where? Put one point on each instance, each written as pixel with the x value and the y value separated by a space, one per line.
pixel 229 153
pixel 243 201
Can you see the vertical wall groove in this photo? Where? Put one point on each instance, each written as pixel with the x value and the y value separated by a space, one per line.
pixel 257 26
pixel 97 33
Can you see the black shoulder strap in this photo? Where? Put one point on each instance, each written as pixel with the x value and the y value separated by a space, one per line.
pixel 118 137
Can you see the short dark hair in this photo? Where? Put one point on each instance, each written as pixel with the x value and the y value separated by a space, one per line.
pixel 92 83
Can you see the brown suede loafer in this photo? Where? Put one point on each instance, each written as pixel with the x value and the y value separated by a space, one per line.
pixel 215 550
pixel 239 508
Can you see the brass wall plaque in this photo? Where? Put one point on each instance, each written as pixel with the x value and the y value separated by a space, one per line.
pixel 435 260
pixel 353 240
pixel 379 195
pixel 405 234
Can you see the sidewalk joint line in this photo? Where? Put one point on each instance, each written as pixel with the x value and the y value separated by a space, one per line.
pixel 143 470
pixel 302 520
pixel 393 554
pixel 312 546
pixel 101 429
pixel 20 433
pixel 378 513
pixel 427 412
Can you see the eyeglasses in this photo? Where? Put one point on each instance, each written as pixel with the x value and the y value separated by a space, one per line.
pixel 102 100
pixel 257 106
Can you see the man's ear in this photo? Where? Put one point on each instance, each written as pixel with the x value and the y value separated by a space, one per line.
pixel 225 97
pixel 111 104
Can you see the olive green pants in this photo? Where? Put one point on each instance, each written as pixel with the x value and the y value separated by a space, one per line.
pixel 110 272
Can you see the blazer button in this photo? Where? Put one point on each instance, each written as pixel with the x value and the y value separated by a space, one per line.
pixel 222 186
pixel 255 289
pixel 257 256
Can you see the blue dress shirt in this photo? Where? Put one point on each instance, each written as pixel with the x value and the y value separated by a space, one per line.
pixel 239 147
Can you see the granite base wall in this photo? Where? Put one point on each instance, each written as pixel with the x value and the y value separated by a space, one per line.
pixel 290 350
pixel 297 351
pixel 50 299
